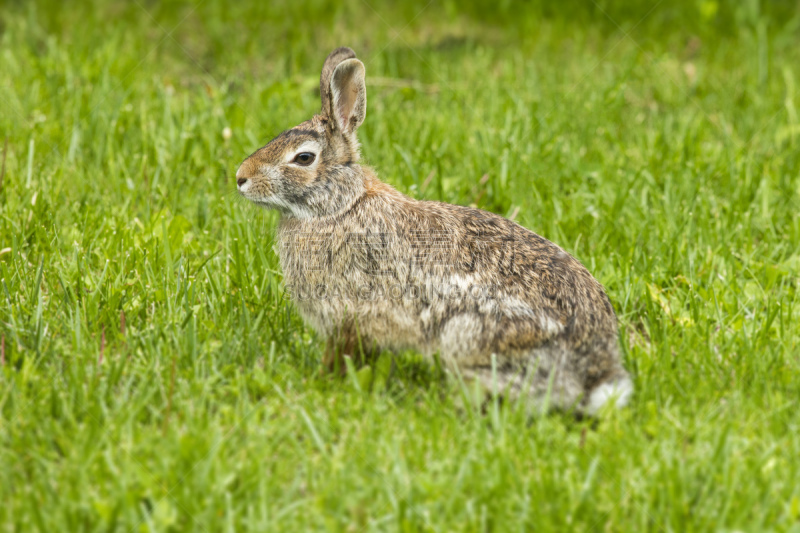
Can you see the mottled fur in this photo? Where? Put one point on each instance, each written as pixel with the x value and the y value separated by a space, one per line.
pixel 374 269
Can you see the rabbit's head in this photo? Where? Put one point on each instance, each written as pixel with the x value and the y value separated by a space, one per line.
pixel 310 170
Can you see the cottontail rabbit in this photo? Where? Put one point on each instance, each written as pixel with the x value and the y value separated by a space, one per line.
pixel 371 268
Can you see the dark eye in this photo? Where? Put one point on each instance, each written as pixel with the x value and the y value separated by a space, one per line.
pixel 304 158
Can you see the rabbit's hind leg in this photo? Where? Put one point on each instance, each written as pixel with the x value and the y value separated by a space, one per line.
pixel 539 389
pixel 540 377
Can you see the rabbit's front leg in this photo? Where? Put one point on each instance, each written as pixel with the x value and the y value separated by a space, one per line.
pixel 346 342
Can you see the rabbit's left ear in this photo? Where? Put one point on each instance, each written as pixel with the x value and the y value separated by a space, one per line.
pixel 348 95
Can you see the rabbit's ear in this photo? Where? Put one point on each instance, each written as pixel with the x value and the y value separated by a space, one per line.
pixel 331 62
pixel 348 95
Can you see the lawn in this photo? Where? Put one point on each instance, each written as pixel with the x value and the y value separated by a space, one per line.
pixel 156 378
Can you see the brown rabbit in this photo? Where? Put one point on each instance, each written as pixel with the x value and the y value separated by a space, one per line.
pixel 371 268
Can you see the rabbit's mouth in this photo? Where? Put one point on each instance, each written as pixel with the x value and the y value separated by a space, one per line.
pixel 243 188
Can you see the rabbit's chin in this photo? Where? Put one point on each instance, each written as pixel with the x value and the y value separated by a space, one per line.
pixel 285 208
pixel 268 203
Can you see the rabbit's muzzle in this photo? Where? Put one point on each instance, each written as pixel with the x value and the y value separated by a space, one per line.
pixel 251 183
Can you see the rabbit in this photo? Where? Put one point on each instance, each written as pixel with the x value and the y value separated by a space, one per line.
pixel 372 269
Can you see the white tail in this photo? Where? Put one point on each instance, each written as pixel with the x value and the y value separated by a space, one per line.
pixel 619 391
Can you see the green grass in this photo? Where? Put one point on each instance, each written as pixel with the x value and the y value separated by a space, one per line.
pixel 657 142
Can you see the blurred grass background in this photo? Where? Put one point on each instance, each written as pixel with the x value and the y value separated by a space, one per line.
pixel 154 377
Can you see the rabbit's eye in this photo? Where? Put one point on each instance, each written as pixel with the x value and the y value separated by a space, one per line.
pixel 304 158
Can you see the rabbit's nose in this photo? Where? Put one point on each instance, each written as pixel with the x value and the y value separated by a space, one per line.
pixel 242 174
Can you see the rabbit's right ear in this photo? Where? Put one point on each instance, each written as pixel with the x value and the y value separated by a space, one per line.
pixel 348 95
pixel 331 62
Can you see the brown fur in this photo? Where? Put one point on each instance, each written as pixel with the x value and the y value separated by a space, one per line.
pixel 480 290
